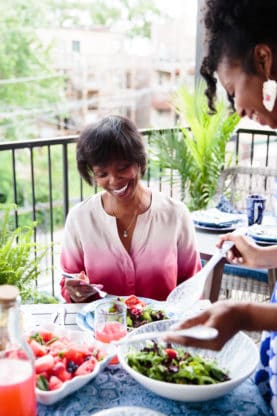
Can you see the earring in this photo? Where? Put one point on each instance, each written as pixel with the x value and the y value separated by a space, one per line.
pixel 269 94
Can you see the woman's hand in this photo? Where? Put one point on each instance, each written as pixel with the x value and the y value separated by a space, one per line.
pixel 225 316
pixel 80 290
pixel 244 252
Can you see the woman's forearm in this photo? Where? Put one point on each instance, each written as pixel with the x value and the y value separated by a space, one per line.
pixel 256 316
pixel 267 257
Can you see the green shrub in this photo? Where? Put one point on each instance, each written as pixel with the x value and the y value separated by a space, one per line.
pixel 20 256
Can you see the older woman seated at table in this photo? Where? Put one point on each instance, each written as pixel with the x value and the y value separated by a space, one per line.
pixel 128 238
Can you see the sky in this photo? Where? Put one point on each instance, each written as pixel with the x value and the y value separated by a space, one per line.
pixel 177 8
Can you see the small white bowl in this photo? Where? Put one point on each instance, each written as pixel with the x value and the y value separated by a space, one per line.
pixel 239 357
pixel 68 387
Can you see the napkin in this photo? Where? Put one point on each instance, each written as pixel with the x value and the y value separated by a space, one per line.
pixel 224 205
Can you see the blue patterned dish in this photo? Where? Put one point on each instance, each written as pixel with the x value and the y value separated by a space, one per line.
pixel 85 317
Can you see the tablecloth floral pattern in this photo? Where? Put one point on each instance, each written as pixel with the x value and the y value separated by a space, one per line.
pixel 114 387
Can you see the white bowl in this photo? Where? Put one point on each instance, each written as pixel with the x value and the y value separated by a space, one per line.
pixel 68 387
pixel 239 357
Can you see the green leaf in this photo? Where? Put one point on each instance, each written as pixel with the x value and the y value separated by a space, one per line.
pixel 20 256
pixel 199 155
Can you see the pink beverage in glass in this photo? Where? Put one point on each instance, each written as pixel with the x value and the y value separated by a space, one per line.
pixel 17 388
pixel 110 323
pixel 111 331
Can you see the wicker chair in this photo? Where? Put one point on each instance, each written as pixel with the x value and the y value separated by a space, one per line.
pixel 241 283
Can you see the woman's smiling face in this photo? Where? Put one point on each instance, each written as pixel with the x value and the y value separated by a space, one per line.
pixel 246 89
pixel 118 178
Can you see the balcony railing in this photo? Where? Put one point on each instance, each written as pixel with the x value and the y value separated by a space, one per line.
pixel 41 178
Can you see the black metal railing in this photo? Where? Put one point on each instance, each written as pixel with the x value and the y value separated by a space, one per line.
pixel 41 178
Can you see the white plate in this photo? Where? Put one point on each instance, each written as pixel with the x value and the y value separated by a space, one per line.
pixel 68 387
pixel 215 218
pixel 128 411
pixel 239 357
pixel 85 317
pixel 263 233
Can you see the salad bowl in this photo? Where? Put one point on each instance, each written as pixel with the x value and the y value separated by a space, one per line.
pixel 238 358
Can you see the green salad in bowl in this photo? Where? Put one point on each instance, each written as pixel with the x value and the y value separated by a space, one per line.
pixel 185 373
pixel 140 313
pixel 162 362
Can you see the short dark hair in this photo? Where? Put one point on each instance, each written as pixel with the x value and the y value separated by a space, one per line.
pixel 113 138
pixel 233 29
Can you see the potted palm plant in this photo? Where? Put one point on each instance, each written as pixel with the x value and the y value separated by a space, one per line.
pixel 197 152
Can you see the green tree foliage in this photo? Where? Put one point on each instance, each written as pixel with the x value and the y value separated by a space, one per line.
pixel 136 15
pixel 23 57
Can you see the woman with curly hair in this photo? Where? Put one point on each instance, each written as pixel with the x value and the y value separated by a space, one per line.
pixel 242 50
pixel 241 45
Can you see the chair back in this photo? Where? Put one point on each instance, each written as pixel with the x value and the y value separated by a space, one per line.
pixel 239 181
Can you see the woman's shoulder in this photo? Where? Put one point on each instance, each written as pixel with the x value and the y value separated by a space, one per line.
pixel 86 206
pixel 162 201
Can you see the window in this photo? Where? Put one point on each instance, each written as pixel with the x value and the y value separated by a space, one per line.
pixel 76 46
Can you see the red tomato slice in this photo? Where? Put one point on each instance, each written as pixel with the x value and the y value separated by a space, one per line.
pixel 171 353
pixel 132 301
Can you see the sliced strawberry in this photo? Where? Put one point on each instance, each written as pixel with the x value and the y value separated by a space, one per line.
pixel 44 363
pixel 47 335
pixel 54 383
pixel 58 366
pixel 76 355
pixel 86 368
pixel 57 347
pixel 38 349
pixel 61 372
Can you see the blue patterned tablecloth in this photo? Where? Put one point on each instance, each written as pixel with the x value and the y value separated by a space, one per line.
pixel 114 387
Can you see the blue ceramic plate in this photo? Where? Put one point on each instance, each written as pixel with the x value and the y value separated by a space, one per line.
pixel 214 218
pixel 266 234
pixel 217 229
pixel 85 317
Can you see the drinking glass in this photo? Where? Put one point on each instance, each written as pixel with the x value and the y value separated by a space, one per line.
pixel 110 322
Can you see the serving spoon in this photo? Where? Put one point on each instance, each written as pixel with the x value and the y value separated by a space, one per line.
pixel 199 332
pixel 188 292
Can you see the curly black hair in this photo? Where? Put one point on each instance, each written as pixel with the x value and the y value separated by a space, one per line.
pixel 112 138
pixel 233 29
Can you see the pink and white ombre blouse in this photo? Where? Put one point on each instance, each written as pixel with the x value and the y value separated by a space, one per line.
pixel 163 250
